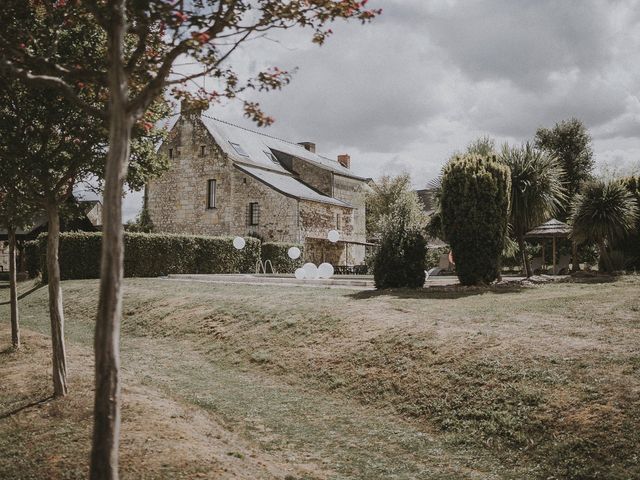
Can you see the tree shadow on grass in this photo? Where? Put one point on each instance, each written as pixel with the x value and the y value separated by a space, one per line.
pixel 17 410
pixel 26 294
pixel 434 293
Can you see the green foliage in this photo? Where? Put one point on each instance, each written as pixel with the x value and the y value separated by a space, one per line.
pixel 386 192
pixel 278 254
pixel 33 260
pixel 475 207
pixel 152 255
pixel 432 257
pixel 483 146
pixel 570 142
pixel 604 213
pixel 537 192
pixel 400 259
pixel 630 245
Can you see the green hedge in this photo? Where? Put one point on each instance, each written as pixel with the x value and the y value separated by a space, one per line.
pixel 278 254
pixel 153 255
pixel 33 260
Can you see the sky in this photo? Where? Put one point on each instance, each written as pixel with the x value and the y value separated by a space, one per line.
pixel 427 77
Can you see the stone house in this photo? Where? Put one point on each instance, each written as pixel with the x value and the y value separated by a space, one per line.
pixel 228 180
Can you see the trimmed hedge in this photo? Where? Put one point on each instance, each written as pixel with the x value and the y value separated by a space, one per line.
pixel 475 207
pixel 400 259
pixel 153 255
pixel 278 254
pixel 33 260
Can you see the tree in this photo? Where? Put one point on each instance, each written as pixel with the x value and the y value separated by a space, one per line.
pixel 129 80
pixel 537 192
pixel 483 146
pixel 400 258
pixel 630 245
pixel 13 215
pixel 604 213
pixel 475 207
pixel 61 147
pixel 570 142
pixel 385 194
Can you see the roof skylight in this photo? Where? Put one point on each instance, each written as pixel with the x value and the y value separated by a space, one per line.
pixel 271 157
pixel 239 149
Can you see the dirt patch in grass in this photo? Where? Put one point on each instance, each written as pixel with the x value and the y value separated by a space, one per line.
pixel 160 438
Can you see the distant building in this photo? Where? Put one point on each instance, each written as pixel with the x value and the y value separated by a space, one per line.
pixel 228 180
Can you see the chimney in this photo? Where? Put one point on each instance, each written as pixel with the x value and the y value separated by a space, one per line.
pixel 308 146
pixel 345 160
pixel 193 106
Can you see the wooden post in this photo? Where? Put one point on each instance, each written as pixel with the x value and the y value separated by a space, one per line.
pixel 554 254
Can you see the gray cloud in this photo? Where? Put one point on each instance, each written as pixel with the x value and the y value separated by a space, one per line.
pixel 428 76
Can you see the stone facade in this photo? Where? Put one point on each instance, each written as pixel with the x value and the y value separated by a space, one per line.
pixel 177 201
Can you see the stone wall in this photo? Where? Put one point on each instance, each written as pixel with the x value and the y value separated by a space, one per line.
pixel 177 201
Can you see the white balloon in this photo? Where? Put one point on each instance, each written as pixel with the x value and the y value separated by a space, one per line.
pixel 300 274
pixel 239 243
pixel 333 236
pixel 325 270
pixel 294 253
pixel 310 271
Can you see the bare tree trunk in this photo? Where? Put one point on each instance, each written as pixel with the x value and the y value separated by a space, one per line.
pixel 56 312
pixel 604 257
pixel 526 264
pixel 13 287
pixel 575 262
pixel 106 428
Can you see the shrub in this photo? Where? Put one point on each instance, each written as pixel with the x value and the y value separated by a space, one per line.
pixel 630 245
pixel 32 258
pixel 475 208
pixel 400 259
pixel 152 255
pixel 278 254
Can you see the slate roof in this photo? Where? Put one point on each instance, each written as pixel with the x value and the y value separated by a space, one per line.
pixel 253 153
pixel 286 184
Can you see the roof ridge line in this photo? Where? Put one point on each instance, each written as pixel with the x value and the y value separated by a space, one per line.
pixel 252 131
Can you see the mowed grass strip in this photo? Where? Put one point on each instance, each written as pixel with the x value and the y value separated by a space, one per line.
pixel 536 383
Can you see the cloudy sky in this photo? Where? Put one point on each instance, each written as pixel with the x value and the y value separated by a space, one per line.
pixel 429 76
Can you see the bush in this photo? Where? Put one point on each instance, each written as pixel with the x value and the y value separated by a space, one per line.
pixel 630 245
pixel 475 208
pixel 152 255
pixel 400 260
pixel 33 258
pixel 278 254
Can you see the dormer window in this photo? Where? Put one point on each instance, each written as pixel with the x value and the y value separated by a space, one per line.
pixel 271 157
pixel 239 150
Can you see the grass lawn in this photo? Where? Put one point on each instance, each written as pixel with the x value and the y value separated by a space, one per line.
pixel 239 381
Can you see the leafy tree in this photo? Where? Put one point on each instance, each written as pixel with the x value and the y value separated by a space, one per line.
pixel 475 207
pixel 127 81
pixel 483 146
pixel 13 215
pixel 384 196
pixel 604 213
pixel 537 192
pixel 400 258
pixel 570 142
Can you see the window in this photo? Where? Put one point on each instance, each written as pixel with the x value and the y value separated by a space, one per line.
pixel 202 150
pixel 211 194
pixel 254 214
pixel 338 221
pixel 271 157
pixel 239 149
pixel 171 153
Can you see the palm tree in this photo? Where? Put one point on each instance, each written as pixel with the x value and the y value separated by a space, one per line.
pixel 603 213
pixel 537 191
